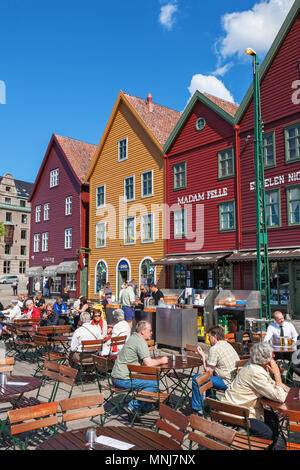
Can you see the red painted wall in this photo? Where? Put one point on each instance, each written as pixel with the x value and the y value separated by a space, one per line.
pixel 200 151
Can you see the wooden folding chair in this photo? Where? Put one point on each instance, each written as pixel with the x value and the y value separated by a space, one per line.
pixel 116 341
pixel 88 406
pixel 236 416
pixel 292 423
pixel 85 363
pixel 43 351
pixel 204 383
pixel 213 436
pixel 103 367
pixel 32 418
pixel 146 373
pixel 7 365
pixel 173 422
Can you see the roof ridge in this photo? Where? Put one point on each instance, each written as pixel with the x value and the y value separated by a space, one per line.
pixel 156 104
pixel 222 99
pixel 75 140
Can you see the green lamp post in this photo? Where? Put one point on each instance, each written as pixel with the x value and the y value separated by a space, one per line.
pixel 262 264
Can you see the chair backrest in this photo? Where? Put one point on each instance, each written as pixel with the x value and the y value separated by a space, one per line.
pixel 240 364
pixel 172 422
pixel 7 364
pixel 143 372
pixel 228 413
pixel 21 321
pixel 103 364
pixel 67 375
pixel 51 370
pixel 118 341
pixel 210 432
pixel 45 330
pixel 61 329
pixel 41 340
pixel 237 347
pixel 34 321
pixel 191 350
pixel 24 419
pixel 79 407
pixel 292 420
pixel 204 383
pixel 92 345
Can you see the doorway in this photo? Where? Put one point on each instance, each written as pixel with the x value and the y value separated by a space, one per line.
pixel 123 275
pixel 200 280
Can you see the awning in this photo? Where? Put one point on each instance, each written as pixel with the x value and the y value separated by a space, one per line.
pixel 209 258
pixel 69 267
pixel 50 271
pixel 34 271
pixel 275 255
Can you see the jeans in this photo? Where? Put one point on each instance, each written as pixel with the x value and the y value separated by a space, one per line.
pixel 147 385
pixel 197 399
pixel 269 429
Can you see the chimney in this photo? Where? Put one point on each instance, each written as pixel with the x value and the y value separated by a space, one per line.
pixel 149 102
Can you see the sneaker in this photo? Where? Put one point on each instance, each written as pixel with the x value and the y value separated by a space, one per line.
pixel 198 412
pixel 131 413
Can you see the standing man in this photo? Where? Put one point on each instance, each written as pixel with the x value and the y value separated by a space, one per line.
pixel 127 301
pixel 46 290
pixel 220 364
pixel 15 287
pixel 156 294
pixel 136 352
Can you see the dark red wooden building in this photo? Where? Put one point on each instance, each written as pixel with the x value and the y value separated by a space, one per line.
pixel 59 222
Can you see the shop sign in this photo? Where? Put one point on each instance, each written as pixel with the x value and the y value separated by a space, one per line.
pixel 212 194
pixel 123 266
pixel 278 180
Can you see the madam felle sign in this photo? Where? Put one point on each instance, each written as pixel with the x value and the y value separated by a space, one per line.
pixel 212 194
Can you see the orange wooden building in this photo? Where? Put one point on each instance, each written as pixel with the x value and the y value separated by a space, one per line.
pixel 126 180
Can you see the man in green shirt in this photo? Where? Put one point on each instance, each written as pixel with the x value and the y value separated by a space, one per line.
pixel 136 352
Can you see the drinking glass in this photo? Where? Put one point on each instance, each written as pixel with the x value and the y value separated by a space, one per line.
pixel 90 438
pixel 183 354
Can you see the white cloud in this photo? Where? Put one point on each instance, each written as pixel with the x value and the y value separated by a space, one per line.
pixel 222 70
pixel 166 16
pixel 210 84
pixel 255 28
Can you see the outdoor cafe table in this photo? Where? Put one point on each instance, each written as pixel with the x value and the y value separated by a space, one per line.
pixel 284 354
pixel 17 385
pixel 143 439
pixel 179 379
pixel 292 402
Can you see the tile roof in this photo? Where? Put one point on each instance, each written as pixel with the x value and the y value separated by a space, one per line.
pixel 23 187
pixel 159 119
pixel 230 108
pixel 78 153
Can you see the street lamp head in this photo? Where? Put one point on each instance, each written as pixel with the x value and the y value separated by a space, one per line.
pixel 250 51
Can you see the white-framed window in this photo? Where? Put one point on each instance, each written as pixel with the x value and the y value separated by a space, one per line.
pixel 56 285
pixel 179 223
pixel 129 231
pixel 68 205
pixel 47 211
pixel 54 178
pixel 100 196
pixel 38 210
pixel 71 281
pixel 100 234
pixel 147 228
pixel 123 149
pixel 45 241
pixel 147 183
pixel 129 189
pixel 36 242
pixel 68 238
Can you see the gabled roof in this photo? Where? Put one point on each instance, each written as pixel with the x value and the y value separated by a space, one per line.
pixel 160 120
pixel 223 108
pixel 78 155
pixel 157 121
pixel 285 28
pixel 23 188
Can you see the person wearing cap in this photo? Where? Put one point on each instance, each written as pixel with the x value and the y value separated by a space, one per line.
pixel 98 320
pixel 13 311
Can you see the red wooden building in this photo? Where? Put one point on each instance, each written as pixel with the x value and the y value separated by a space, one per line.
pixel 59 222
pixel 280 103
pixel 200 191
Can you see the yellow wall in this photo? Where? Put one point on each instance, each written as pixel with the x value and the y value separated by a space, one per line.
pixel 143 155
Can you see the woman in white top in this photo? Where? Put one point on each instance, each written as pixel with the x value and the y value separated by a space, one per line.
pixel 121 328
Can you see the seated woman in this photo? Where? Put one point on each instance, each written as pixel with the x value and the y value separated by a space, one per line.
pixel 120 328
pixel 31 310
pixel 254 382
pixel 49 317
pixel 79 309
pixel 98 319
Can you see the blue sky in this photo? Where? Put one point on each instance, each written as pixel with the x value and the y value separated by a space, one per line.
pixel 63 62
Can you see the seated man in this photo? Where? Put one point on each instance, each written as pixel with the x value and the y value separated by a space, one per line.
pixel 220 364
pixel 31 311
pixel 85 332
pixel 49 317
pixel 280 328
pixel 13 312
pixel 254 382
pixel 136 352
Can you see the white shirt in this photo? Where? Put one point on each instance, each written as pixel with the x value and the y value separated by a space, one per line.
pixel 273 332
pixel 85 332
pixel 14 312
pixel 121 328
